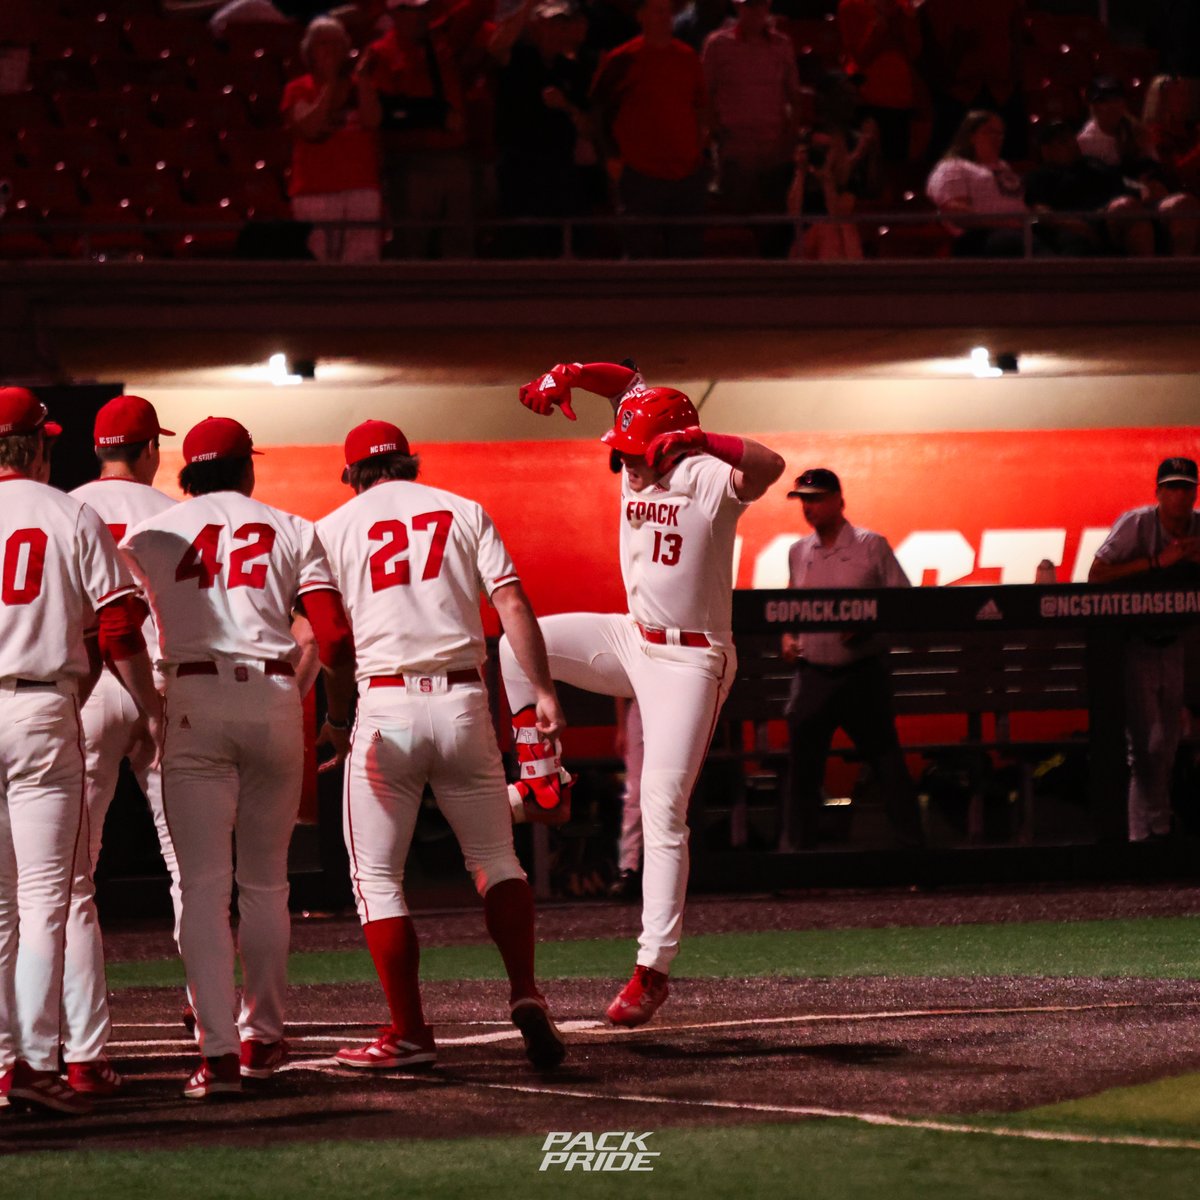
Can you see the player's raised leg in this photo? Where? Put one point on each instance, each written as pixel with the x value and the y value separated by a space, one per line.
pixel 586 650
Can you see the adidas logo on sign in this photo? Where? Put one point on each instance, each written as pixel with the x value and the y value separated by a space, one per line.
pixel 990 612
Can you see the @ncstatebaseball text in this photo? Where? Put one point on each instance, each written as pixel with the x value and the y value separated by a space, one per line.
pixel 610 1151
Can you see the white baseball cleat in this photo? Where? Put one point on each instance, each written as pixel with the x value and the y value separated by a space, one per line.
pixel 219 1076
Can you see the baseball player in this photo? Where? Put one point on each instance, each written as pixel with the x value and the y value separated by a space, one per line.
pixel 223 574
pixel 1162 542
pixel 682 493
pixel 126 439
pixel 59 572
pixel 411 562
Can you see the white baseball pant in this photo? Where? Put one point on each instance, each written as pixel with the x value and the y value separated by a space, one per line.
pixel 41 804
pixel 629 849
pixel 680 690
pixel 109 718
pixel 403 738
pixel 232 771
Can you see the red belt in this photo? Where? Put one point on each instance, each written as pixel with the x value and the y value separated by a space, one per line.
pixel 273 666
pixel 687 637
pixel 452 677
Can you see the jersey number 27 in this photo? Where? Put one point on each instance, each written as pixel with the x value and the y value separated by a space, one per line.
pixel 390 564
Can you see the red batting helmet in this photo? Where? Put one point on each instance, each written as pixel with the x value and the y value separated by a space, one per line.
pixel 644 415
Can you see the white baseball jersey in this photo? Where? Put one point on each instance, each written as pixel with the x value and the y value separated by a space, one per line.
pixel 677 539
pixel 58 565
pixel 122 504
pixel 410 562
pixel 222 573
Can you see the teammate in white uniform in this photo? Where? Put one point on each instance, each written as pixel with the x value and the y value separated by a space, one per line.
pixel 223 574
pixel 59 570
pixel 682 493
pixel 126 440
pixel 411 562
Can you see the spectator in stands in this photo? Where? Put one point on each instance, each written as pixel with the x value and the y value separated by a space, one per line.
pixel 971 61
pixel 1169 114
pixel 819 188
pixel 881 40
pixel 651 106
pixel 754 96
pixel 547 166
pixel 973 178
pixel 1159 545
pixel 333 116
pixel 1067 181
pixel 423 67
pixel 841 679
pixel 611 23
pixel 1112 134
pixel 696 20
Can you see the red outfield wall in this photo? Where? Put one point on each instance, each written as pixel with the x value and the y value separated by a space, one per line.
pixel 959 507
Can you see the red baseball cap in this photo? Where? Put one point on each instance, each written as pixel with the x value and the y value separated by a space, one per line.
pixel 22 412
pixel 374 437
pixel 217 437
pixel 126 419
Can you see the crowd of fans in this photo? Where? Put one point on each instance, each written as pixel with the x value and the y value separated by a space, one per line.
pixel 770 127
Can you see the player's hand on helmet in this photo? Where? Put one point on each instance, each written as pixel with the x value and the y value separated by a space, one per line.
pixel 665 448
pixel 552 390
pixel 338 740
pixel 550 719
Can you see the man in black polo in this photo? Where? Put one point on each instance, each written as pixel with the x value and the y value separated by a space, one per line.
pixel 841 677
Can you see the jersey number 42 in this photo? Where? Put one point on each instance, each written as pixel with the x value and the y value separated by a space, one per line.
pixel 200 561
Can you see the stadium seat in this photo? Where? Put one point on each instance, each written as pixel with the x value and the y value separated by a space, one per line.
pixel 213 108
pixel 20 236
pixel 151 37
pixel 263 39
pixel 50 74
pixel 199 230
pixel 124 108
pixel 185 149
pixel 47 193
pixel 97 38
pixel 144 187
pixel 1046 30
pixel 248 148
pixel 78 148
pixel 23 111
pixel 118 232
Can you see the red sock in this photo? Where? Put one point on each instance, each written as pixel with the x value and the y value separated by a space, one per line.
pixel 508 911
pixel 396 954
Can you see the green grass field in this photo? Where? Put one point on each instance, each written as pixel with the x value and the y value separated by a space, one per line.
pixel 816 1159
pixel 1147 948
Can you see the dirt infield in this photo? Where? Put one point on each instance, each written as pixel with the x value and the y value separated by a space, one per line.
pixel 721 1051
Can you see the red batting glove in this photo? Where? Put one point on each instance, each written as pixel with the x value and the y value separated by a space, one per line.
pixel 552 390
pixel 665 448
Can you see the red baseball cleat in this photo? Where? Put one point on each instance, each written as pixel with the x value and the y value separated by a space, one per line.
pixel 220 1076
pixel 544 1046
pixel 390 1052
pixel 96 1078
pixel 640 998
pixel 260 1060
pixel 545 800
pixel 45 1090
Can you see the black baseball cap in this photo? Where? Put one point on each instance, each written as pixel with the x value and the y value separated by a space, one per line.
pixel 1176 470
pixel 814 482
pixel 1105 87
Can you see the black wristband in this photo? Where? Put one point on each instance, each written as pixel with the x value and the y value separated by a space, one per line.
pixel 340 726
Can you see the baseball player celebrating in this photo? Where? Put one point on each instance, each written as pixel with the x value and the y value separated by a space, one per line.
pixel 682 493
pixel 126 439
pixel 59 571
pixel 411 562
pixel 223 574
